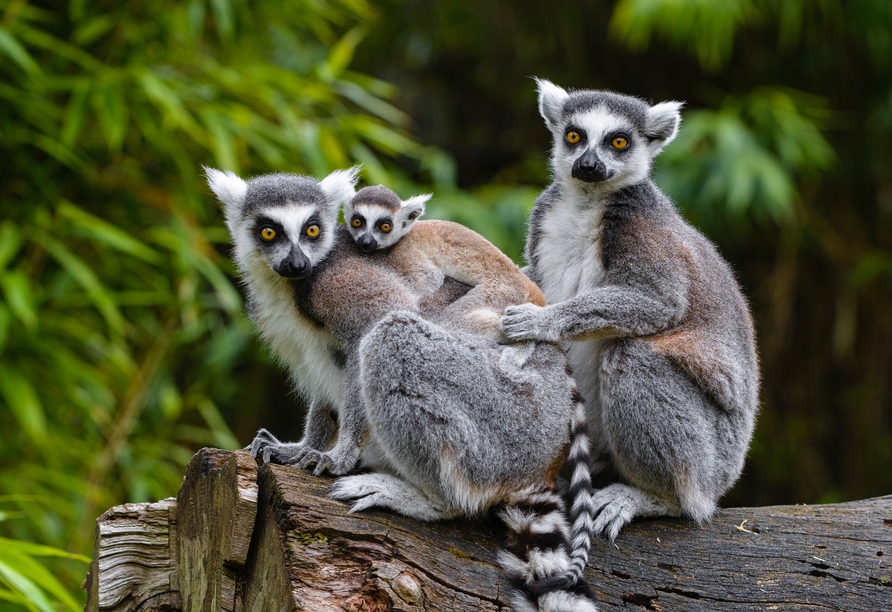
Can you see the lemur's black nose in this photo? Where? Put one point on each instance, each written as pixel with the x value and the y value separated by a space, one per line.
pixel 589 168
pixel 296 265
pixel 367 243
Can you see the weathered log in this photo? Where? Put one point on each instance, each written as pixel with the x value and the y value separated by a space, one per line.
pixel 308 553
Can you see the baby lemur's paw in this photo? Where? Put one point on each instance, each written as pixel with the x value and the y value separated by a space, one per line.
pixel 266 448
pixel 336 464
pixel 528 322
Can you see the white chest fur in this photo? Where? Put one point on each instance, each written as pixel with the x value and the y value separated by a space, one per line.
pixel 304 348
pixel 569 250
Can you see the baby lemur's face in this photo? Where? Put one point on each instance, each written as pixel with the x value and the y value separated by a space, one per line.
pixel 285 221
pixel 377 219
pixel 602 139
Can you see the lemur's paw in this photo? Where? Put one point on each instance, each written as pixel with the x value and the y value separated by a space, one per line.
pixel 354 487
pixel 364 490
pixel 262 440
pixel 526 322
pixel 614 508
pixel 266 448
pixel 330 462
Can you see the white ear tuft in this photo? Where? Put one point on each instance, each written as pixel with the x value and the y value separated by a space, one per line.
pixel 663 120
pixel 551 102
pixel 339 186
pixel 414 206
pixel 228 187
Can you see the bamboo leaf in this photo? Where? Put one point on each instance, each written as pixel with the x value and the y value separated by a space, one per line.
pixel 81 272
pixel 17 291
pixel 23 402
pixel 33 597
pixel 10 242
pixel 106 233
pixel 341 53
pixel 17 53
pixel 36 572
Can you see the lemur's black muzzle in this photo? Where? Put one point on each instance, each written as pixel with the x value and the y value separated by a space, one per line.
pixel 367 243
pixel 296 265
pixel 589 168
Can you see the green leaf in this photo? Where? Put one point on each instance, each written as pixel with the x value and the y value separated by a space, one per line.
pixel 341 54
pixel 34 597
pixel 36 572
pixel 10 242
pixel 17 53
pixel 106 233
pixel 17 291
pixel 81 272
pixel 22 400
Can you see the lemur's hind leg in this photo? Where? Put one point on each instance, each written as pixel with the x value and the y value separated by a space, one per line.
pixel 377 490
pixel 663 436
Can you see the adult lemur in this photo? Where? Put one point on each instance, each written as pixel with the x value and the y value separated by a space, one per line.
pixel 456 430
pixel 657 332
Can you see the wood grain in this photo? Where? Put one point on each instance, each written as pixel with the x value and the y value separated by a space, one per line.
pixel 308 553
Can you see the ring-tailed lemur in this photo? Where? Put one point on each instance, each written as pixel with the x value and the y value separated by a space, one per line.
pixel 656 329
pixel 495 443
pixel 434 251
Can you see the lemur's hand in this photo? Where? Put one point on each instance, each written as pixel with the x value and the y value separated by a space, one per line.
pixel 334 462
pixel 528 322
pixel 266 448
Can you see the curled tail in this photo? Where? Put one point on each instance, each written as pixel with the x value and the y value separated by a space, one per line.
pixel 549 557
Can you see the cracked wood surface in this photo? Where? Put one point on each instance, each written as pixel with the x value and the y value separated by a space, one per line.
pixel 307 553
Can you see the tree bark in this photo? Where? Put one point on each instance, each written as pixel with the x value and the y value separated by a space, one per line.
pixel 238 540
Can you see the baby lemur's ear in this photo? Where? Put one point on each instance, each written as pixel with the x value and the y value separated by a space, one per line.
pixel 228 188
pixel 413 208
pixel 663 120
pixel 339 186
pixel 551 103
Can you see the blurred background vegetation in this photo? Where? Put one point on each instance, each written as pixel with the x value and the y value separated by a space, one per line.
pixel 123 341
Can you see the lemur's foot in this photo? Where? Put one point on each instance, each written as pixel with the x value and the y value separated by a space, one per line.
pixel 616 506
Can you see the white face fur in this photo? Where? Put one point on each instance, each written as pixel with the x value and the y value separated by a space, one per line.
pixel 375 226
pixel 598 148
pixel 286 221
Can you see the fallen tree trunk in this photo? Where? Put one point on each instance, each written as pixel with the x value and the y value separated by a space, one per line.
pixel 238 540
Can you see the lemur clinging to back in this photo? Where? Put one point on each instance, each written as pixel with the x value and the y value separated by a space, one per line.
pixel 458 432
pixel 656 329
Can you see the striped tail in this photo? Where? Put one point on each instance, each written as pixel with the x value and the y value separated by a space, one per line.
pixel 549 557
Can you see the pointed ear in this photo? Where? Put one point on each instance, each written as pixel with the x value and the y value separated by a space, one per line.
pixel 339 186
pixel 228 188
pixel 551 102
pixel 414 206
pixel 663 120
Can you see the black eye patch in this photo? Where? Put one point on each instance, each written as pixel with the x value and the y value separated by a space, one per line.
pixel 262 234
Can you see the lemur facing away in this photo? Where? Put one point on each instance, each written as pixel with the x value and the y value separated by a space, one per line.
pixel 656 329
pixel 457 432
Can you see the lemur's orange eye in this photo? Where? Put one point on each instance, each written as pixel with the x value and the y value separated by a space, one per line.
pixel 573 137
pixel 386 227
pixel 267 233
pixel 356 222
pixel 313 231
pixel 620 143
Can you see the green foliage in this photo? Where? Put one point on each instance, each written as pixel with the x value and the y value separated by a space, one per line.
pixel 748 155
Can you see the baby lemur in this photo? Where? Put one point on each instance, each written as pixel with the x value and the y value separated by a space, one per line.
pixel 656 329
pixel 457 431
